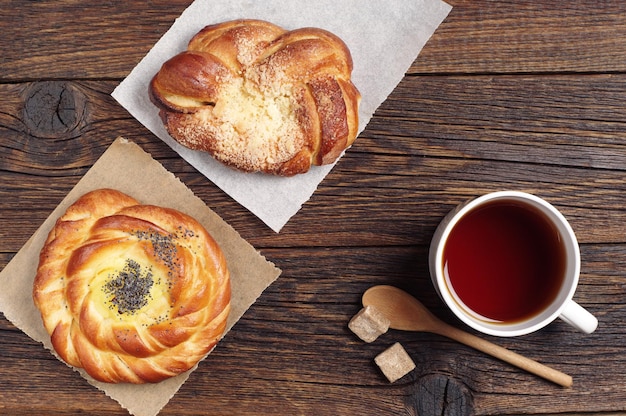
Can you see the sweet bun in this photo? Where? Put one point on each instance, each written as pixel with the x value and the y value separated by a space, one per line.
pixel 129 292
pixel 260 98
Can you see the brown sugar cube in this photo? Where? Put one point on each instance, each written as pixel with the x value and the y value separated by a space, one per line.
pixel 368 324
pixel 394 362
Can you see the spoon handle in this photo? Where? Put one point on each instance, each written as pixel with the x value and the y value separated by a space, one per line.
pixel 508 356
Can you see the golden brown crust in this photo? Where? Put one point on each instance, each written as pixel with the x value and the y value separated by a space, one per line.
pixel 260 98
pixel 129 292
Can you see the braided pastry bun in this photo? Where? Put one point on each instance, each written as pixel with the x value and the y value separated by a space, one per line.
pixel 260 98
pixel 131 293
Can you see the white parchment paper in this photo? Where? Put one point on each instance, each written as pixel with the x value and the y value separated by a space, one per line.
pixel 384 39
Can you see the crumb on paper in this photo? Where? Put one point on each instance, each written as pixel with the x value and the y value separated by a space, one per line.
pixel 369 323
pixel 395 362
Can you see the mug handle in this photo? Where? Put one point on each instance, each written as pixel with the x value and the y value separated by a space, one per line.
pixel 579 317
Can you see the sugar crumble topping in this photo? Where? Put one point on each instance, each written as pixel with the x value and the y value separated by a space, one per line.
pixel 255 127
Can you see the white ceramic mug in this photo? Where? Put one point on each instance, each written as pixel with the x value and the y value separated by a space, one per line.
pixel 561 306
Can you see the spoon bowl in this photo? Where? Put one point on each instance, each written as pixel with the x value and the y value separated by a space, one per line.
pixel 406 313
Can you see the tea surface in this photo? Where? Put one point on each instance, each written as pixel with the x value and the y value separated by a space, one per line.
pixel 505 261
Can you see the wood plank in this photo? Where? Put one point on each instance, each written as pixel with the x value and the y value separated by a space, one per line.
pixel 468 130
pixel 558 119
pixel 298 330
pixel 90 39
pixel 531 37
pixel 357 213
pixel 527 36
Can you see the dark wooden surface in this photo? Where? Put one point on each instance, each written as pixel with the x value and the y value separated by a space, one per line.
pixel 525 95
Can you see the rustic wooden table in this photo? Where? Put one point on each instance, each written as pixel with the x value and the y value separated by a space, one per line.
pixel 525 95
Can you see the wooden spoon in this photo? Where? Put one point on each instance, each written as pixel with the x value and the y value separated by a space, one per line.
pixel 407 314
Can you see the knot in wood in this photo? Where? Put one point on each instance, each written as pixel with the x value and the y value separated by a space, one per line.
pixel 439 394
pixel 53 109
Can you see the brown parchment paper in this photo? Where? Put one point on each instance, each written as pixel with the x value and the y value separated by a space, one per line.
pixel 127 168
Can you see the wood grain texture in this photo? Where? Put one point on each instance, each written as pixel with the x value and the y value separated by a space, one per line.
pixel 506 95
pixel 528 37
pixel 80 40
